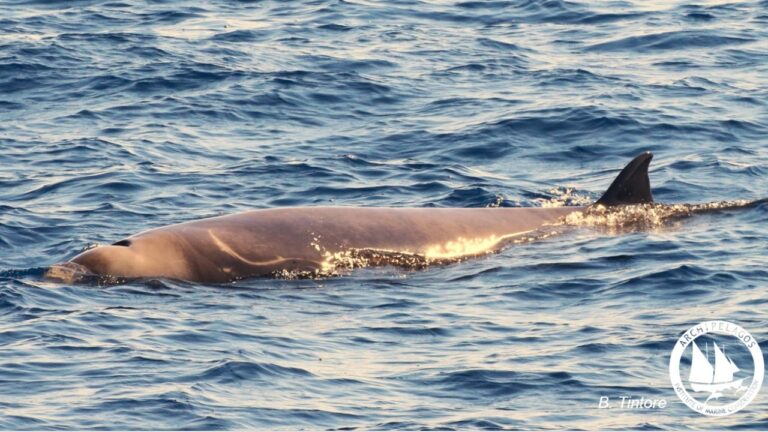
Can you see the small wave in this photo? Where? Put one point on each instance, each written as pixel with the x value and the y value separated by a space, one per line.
pixel 499 45
pixel 683 282
pixel 669 41
pixel 402 331
pixel 496 383
pixel 550 11
pixel 236 371
pixel 242 36
pixel 700 16
pixel 22 273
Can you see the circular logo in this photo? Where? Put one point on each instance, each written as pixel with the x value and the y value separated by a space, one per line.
pixel 717 368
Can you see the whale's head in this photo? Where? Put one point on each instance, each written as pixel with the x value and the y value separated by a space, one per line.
pixel 124 259
pixel 118 259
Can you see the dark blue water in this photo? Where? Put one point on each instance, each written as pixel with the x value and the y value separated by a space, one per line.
pixel 120 116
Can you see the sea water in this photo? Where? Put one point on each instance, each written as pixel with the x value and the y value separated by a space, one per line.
pixel 120 116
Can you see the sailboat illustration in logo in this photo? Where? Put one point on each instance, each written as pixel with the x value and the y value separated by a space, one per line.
pixel 716 377
pixel 715 380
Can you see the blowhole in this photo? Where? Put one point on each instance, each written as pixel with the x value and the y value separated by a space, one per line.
pixel 125 243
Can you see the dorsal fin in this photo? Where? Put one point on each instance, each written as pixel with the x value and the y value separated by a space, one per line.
pixel 632 186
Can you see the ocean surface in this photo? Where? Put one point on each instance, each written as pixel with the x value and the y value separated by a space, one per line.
pixel 120 116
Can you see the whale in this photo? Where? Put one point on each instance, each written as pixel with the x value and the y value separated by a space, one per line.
pixel 307 241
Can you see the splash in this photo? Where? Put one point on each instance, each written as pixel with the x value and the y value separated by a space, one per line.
pixel 564 196
pixel 343 262
pixel 643 216
pixel 497 202
pixel 73 273
pixel 558 197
